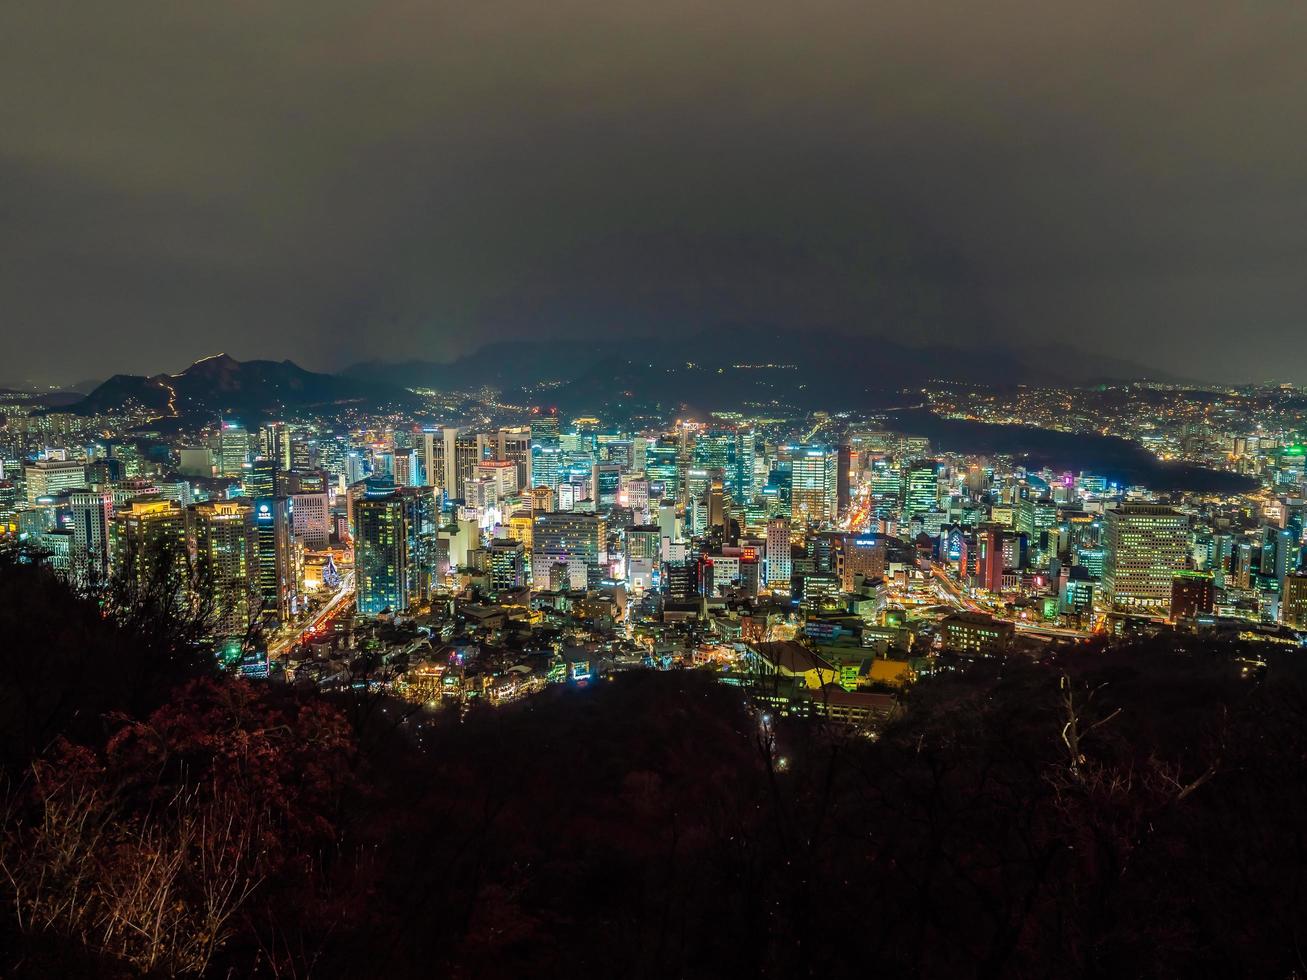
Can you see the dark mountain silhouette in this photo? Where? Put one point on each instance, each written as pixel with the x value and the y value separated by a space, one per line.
pixel 222 385
pixel 817 368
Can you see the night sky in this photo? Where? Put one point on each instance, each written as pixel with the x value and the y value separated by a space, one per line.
pixel 333 182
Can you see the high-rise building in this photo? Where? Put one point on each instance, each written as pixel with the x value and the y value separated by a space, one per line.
pixel 572 538
pixel 662 470
pixel 449 458
pixel 515 447
pixel 222 536
pixel 381 557
pixel 503 475
pixel 922 487
pixel 1192 593
pixel 47 477
pixel 779 563
pixel 148 540
pixel 990 538
pixel 547 463
pixel 860 555
pixel 1146 544
pixel 275 444
pixel 842 488
pixel 311 520
pixel 1293 602
pixel 507 565
pixel 92 516
pixel 813 485
pixel 277 563
pixel 233 449
pixel 605 482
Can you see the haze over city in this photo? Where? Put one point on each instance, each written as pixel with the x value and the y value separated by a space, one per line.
pixel 332 184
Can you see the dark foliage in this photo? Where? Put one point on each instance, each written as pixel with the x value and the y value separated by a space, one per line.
pixel 1129 812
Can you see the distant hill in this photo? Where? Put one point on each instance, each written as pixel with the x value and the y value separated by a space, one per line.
pixel 502 364
pixel 249 390
pixel 731 365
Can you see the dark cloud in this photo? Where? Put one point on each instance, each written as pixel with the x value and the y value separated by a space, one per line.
pixel 330 181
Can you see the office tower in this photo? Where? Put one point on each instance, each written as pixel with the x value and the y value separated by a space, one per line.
pixel 1092 559
pixel 779 568
pixel 546 463
pixel 449 457
pixel 605 481
pixel 148 541
pixel 644 541
pixel 1146 544
pixel 922 487
pixel 515 447
pixel 813 489
pixel 886 485
pixel 544 425
pixel 990 539
pixel 404 467
pixel 860 555
pixel 277 564
pixel 8 503
pixel 262 479
pixel 502 474
pixel 1241 565
pixel 92 515
pixel 662 470
pixel 634 493
pixel 844 455
pixel 542 500
pixel 275 444
pixel 1034 515
pixel 573 539
pixel 222 537
pixel 1287 547
pixel 507 565
pixel 717 515
pixel 422 524
pixel 233 449
pixel 46 477
pixel 1192 593
pixel 745 483
pixel 1293 602
pixel 311 520
pixel 381 558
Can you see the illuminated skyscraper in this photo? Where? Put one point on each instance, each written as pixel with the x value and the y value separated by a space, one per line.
pixel 922 493
pixel 233 449
pixel 1146 544
pixel 381 551
pixel 47 477
pixel 222 536
pixel 573 539
pixel 779 567
pixel 1293 602
pixel 311 520
pixel 92 515
pixel 813 484
pixel 148 540
pixel 507 565
pixel 276 562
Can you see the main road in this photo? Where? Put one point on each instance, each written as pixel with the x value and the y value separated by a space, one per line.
pixel 335 605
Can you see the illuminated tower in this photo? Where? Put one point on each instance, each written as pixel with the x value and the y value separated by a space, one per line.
pixel 1146 544
pixel 222 535
pixel 381 551
pixel 813 485
pixel 779 569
